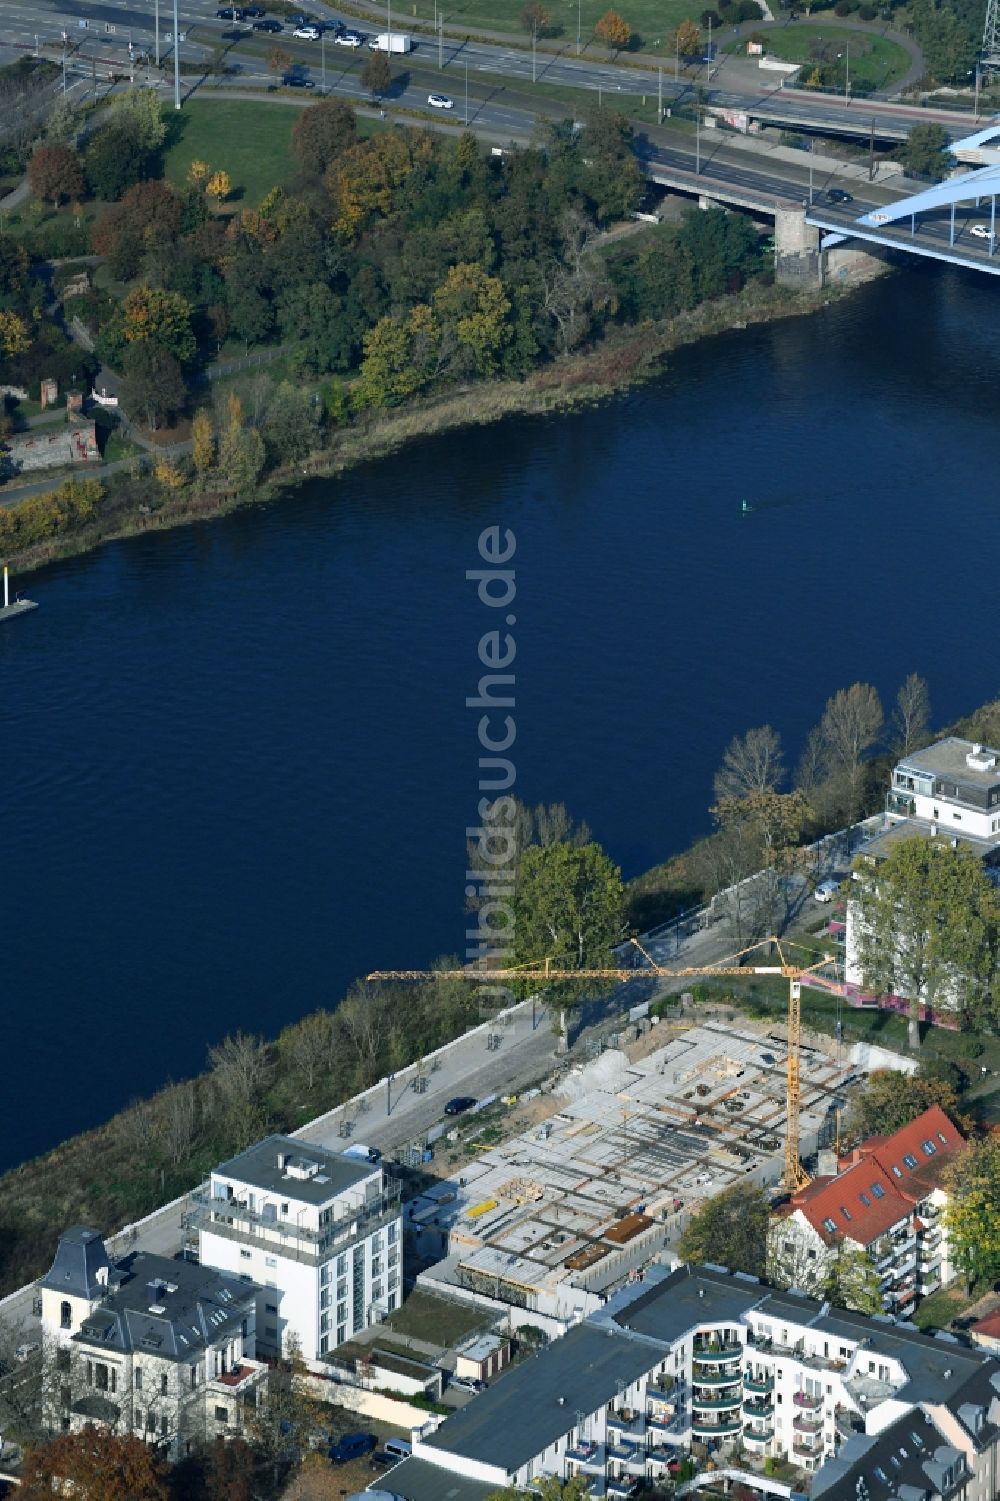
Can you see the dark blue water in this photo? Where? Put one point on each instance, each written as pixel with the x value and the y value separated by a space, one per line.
pixel 237 761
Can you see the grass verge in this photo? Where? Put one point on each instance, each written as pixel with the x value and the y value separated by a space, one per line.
pixel 249 139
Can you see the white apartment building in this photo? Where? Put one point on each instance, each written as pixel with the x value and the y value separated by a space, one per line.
pixel 887 1199
pixel 159 1348
pixel 319 1232
pixel 721 1367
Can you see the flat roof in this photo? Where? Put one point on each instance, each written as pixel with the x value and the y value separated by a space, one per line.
pixel 947 758
pixel 537 1402
pixel 418 1480
pixel 261 1167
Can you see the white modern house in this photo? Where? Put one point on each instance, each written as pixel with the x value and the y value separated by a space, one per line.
pixel 717 1365
pixel 318 1231
pixel 886 1199
pixel 160 1348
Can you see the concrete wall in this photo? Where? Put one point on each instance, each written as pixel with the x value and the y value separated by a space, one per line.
pixel 367 1404
pixel 796 250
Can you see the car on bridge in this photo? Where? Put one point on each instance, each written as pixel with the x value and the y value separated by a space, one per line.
pixel 840 195
pixel 982 232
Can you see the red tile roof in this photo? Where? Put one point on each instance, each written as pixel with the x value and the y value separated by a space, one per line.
pixel 882 1181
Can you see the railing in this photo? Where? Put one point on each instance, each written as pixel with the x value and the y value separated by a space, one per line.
pixel 807 1425
pixel 757 1410
pixel 732 1378
pixel 807 1401
pixel 758 1435
pixel 710 1430
pixel 709 1353
pixel 758 1383
pixel 715 1404
pixel 802 1445
pixel 234 1217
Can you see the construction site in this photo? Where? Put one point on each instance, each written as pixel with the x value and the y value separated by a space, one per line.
pixel 547 1221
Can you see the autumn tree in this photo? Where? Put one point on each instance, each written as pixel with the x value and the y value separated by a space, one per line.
pixel 567 908
pixel 55 173
pixel 729 1230
pixel 94 1465
pixel 218 187
pixel 614 30
pixel 473 310
pixel 285 1415
pixel 203 443
pixel 971 1218
pixel 198 172
pixel 241 1070
pixel 279 60
pixel 376 75
pixel 766 826
pixel 241 455
pixel 927 927
pixel 912 714
pixel 309 1047
pixel 15 337
pixel 535 19
pixel 154 316
pixel 752 763
pixel 139 112
pixel 888 1100
pixel 687 40
pixel 321 133
pixel 852 1281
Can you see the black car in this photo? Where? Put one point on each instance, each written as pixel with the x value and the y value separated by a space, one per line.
pixel 230 13
pixel 839 195
pixel 352 1446
pixel 268 25
pixel 460 1104
pixel 296 81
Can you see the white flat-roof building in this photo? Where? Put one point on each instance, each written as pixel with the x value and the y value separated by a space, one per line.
pixel 319 1232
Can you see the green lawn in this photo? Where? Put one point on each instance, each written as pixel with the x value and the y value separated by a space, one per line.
pixel 248 138
pixel 874 60
pixel 653 21
pixel 937 1311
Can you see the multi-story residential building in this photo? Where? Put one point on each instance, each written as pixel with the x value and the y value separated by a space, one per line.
pixel 319 1232
pixel 163 1349
pixel 717 1365
pixel 887 1200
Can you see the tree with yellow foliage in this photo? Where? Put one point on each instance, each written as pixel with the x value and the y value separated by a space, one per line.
pixel 168 476
pixel 614 30
pixel 197 173
pixel 14 335
pixel 203 443
pixel 218 187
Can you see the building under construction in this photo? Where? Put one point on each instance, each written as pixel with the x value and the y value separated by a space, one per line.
pixel 551 1220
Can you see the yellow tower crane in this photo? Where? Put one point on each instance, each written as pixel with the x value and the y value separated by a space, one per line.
pixel 547 972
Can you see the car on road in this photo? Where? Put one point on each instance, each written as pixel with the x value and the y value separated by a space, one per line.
pixel 440 101
pixel 982 232
pixel 349 39
pixel 467 1384
pixel 826 891
pixel 307 33
pixel 296 81
pixel 352 1446
pixel 230 13
pixel 460 1104
pixel 840 195
pixel 269 25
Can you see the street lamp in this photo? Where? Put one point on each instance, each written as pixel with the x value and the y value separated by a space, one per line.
pixel 578 28
pixel 177 60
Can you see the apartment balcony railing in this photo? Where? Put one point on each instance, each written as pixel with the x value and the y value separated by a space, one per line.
pixel 807 1401
pixel 757 1410
pixel 234 1219
pixel 803 1424
pixel 711 1354
pixel 810 1448
pixel 798 1351
pixel 587 1456
pixel 621 1487
pixel 633 1426
pixel 703 1428
pixel 758 1435
pixel 622 1452
pixel 759 1383
pixel 716 1404
pixel 714 1378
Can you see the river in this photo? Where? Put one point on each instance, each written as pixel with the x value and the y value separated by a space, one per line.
pixel 238 764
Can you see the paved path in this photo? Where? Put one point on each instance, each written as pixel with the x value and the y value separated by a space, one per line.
pixel 912 76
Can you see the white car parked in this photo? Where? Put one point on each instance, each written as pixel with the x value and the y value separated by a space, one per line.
pixel 307 33
pixel 349 39
pixel 826 891
pixel 440 101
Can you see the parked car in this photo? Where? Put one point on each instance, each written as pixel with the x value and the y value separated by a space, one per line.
pixel 307 33
pixel 467 1384
pixel 440 101
pixel 398 1448
pixel 269 25
pixel 296 81
pixel 251 12
pixel 982 232
pixel 460 1104
pixel 230 13
pixel 349 39
pixel 826 891
pixel 352 1446
pixel 840 195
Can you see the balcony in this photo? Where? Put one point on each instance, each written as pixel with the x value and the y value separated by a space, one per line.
pixel 807 1402
pixel 659 1427
pixel 803 1424
pixel 729 1378
pixel 241 1377
pixel 621 1487
pixel 710 1354
pixel 633 1426
pixel 757 1410
pixel 663 1456
pixel 623 1453
pixel 760 1384
pixel 234 1219
pixel 725 1428
pixel 587 1456
pixel 758 1435
pixel 715 1404
pixel 809 1448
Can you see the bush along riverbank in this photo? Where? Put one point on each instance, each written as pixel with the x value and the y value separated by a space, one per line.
pixel 220 473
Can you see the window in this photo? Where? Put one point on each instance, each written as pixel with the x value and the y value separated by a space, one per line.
pixel 928 1148
pixel 342 1266
pixel 194 1377
pixel 324 1344
pixel 878 1192
pixel 245 1254
pixel 342 1289
pixel 137 1420
pixel 845 1212
pixel 270 1261
pixel 830 1226
pixel 326 1275
pixel 163 1384
pixel 341 1333
pixel 137 1378
pixel 65 1316
pixel 324 1298
pixel 163 1425
pixel 62 1360
pixel 866 1201
pixel 897 1171
pixel 909 1160
pixel 151 1422
pixel 324 1322
pixel 222 1414
pixel 342 1311
pixel 101 1380
pixel 270 1307
pixel 284 1208
pixel 376 1291
pixel 393 1230
pixel 942 1138
pixel 270 1331
pixel 65 1395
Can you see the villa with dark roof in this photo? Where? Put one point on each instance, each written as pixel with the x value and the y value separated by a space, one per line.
pixel 159 1348
pixel 888 1200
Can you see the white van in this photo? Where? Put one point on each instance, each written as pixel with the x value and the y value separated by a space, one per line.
pixel 398 1448
pixel 826 891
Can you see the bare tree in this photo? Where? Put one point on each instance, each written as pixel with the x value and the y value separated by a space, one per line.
pixel 310 1046
pixel 851 724
pixel 240 1065
pixel 912 714
pixel 752 763
pixel 364 1021
pixel 179 1121
pixel 812 767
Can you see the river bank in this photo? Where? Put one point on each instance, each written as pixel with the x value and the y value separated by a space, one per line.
pixel 624 359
